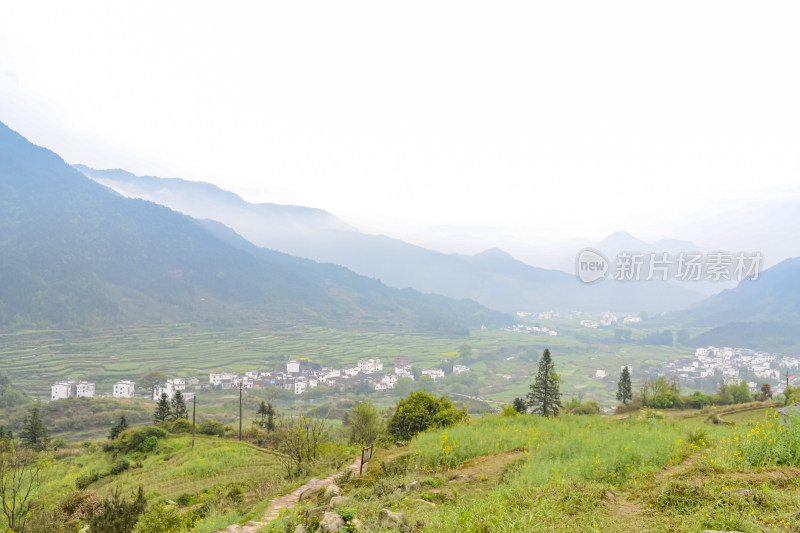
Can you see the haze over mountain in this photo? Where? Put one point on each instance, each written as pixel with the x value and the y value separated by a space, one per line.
pixel 492 278
pixel 73 252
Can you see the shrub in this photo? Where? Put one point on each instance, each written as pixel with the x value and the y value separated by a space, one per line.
pixel 132 439
pixel 421 411
pixel 181 425
pixel 508 410
pixel 84 480
pixel 160 518
pixel 119 467
pixel 211 427
pixel 148 445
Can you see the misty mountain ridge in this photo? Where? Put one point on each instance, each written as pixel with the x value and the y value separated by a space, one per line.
pixel 493 278
pixel 75 253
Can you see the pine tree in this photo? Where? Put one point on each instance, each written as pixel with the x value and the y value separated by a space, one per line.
pixel 544 397
pixel 267 414
pixel 520 405
pixel 163 410
pixel 624 390
pixel 179 406
pixel 270 418
pixel 33 434
pixel 119 428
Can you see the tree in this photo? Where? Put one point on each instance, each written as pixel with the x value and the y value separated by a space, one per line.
pixel 447 366
pixel 519 405
pixel 416 373
pixel 119 428
pixel 179 406
pixel 544 397
pixel 766 390
pixel 364 423
pixel 5 434
pixel 465 354
pixel 33 434
pixel 20 479
pixel 624 390
pixel 150 379
pixel 119 514
pixel 420 411
pixel 163 409
pixel 300 440
pixel 267 414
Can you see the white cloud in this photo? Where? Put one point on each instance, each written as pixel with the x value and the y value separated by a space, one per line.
pixel 554 118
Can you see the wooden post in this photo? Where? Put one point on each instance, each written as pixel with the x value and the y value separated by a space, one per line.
pixel 240 410
pixel 194 410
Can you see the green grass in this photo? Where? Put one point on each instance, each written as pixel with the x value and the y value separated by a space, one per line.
pixel 577 474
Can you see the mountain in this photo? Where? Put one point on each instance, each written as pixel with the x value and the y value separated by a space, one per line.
pixel 774 296
pixel 759 314
pixel 493 278
pixel 73 252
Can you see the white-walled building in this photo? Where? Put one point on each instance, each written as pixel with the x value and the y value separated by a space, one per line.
pixel 169 388
pixel 370 366
pixel 293 367
pixel 84 389
pixel 123 389
pixel 60 390
pixel 71 388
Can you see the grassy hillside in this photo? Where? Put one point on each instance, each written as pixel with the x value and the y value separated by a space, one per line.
pixel 219 480
pixel 645 473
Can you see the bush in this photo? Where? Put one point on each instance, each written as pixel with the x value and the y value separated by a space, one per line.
pixel 181 425
pixel 119 467
pixel 508 410
pixel 84 480
pixel 133 439
pixel 160 518
pixel 211 427
pixel 148 445
pixel 421 411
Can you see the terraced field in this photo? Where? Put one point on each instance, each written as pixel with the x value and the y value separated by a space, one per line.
pixel 35 359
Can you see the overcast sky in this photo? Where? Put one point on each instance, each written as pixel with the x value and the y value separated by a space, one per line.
pixel 548 119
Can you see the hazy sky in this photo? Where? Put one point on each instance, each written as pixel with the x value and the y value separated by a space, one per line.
pixel 553 119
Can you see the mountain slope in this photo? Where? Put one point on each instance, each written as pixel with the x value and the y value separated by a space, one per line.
pixel 774 296
pixel 73 252
pixel 493 278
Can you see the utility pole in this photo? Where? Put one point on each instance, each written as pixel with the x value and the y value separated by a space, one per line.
pixel 194 410
pixel 240 410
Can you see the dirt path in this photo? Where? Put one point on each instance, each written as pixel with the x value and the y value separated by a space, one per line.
pixel 288 501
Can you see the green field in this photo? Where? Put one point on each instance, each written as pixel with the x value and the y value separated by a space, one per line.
pixel 35 359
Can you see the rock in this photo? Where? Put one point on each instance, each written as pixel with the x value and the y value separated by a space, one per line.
pixel 404 528
pixel 611 497
pixel 390 516
pixel 233 528
pixel 308 493
pixel 300 529
pixel 357 524
pixel 332 490
pixel 253 523
pixel 462 477
pixel 412 486
pixel 441 495
pixel 338 501
pixel 331 522
pixel 426 502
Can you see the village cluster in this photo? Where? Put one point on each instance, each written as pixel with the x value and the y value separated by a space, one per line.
pixel 299 376
pixel 608 320
pixel 533 330
pixel 734 364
